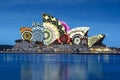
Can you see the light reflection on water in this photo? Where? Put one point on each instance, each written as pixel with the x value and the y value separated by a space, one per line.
pixel 59 67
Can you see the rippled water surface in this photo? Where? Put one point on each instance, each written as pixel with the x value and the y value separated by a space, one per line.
pixel 59 67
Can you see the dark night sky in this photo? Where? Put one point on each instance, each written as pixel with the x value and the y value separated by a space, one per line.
pixel 102 16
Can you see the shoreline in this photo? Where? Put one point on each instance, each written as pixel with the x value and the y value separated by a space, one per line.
pixel 29 52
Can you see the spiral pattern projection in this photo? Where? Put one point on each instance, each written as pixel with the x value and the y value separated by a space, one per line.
pixel 52 20
pixel 67 28
pixel 38 36
pixel 76 39
pixel 65 39
pixel 38 32
pixel 26 33
pixel 51 33
pixel 94 39
pixel 79 30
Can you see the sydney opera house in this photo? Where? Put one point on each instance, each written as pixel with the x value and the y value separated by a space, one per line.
pixel 55 35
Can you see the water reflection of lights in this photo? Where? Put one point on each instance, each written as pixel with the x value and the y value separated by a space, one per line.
pixel 59 67
pixel 37 58
pixel 106 58
pixel 95 68
pixel 78 72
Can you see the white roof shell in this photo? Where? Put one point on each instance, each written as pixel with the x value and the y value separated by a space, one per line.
pixel 79 30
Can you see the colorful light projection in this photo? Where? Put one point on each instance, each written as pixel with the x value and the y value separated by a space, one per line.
pixel 94 39
pixel 38 32
pixel 79 30
pixel 51 33
pixel 64 39
pixel 76 39
pixel 53 30
pixel 52 20
pixel 67 28
pixel 26 33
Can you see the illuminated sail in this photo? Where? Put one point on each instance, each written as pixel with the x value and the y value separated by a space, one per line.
pixel 79 30
pixel 38 32
pixel 51 33
pixel 94 39
pixel 26 33
pixel 53 29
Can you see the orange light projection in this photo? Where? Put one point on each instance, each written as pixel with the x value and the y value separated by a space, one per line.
pixel 23 29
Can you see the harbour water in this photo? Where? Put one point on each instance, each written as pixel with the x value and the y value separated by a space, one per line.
pixel 59 67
